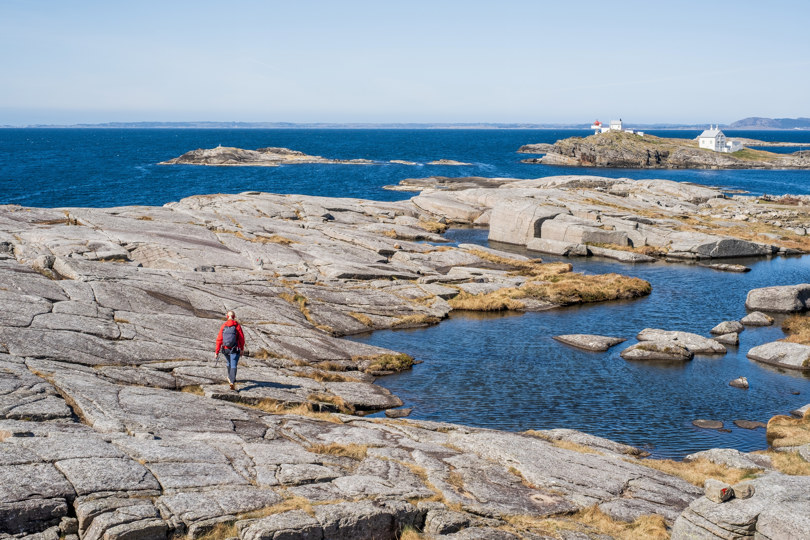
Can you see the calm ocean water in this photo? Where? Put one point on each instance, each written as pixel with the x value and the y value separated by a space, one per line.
pixel 501 371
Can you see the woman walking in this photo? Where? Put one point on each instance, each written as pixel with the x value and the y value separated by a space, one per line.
pixel 231 341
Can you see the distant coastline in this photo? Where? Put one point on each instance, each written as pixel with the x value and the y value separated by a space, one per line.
pixel 778 124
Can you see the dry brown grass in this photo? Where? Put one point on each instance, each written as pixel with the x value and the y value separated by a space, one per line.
pixel 786 431
pixel 330 366
pixel 797 327
pixel 506 261
pixel 455 479
pixel 592 521
pixel 325 376
pixel 698 471
pixel 224 529
pixel 500 300
pixel 574 288
pixel 272 406
pixel 789 463
pixel 650 251
pixel 193 389
pixel 433 226
pixel 409 533
pixel 293 503
pixel 568 445
pixel 415 320
pixel 338 402
pixel 264 354
pixel 387 362
pixel 390 233
pixel 144 218
pixel 354 451
pixel 273 239
pixel 361 318
pixel 120 320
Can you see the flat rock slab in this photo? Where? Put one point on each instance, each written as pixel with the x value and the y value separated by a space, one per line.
pixel 749 424
pixel 657 350
pixel 693 342
pixel 708 424
pixel 783 299
pixel 738 268
pixel 589 342
pixel 757 318
pixel 782 354
pixel 89 475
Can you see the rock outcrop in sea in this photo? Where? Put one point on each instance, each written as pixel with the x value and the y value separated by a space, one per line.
pixel 615 149
pixel 115 422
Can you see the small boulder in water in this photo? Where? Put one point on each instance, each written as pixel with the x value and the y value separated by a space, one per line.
pixel 757 318
pixel 657 350
pixel 728 327
pixel 708 424
pixel 728 339
pixel 589 342
pixel 740 382
pixel 749 424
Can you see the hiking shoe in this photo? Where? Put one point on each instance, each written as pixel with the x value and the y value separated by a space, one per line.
pixel 233 387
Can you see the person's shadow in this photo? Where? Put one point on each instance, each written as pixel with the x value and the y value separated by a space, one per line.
pixel 249 384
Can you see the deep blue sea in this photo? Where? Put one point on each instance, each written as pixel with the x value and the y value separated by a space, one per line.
pixel 500 371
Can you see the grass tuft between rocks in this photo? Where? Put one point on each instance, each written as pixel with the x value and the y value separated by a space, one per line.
pixel 786 431
pixel 351 450
pixel 568 445
pixel 592 522
pixel 698 471
pixel 797 327
pixel 386 362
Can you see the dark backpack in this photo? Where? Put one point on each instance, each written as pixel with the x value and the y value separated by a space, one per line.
pixel 229 337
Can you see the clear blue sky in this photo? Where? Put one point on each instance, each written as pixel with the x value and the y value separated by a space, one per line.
pixel 405 61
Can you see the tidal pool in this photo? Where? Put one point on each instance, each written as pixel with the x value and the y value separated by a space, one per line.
pixel 504 370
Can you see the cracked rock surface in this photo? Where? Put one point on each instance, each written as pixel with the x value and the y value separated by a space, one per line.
pixel 115 422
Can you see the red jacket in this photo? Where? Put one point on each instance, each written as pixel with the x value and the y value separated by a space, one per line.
pixel 240 337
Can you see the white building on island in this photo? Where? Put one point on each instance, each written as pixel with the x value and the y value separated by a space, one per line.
pixel 714 139
pixel 615 125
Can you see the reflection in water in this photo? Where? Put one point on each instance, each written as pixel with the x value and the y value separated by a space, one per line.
pixel 505 371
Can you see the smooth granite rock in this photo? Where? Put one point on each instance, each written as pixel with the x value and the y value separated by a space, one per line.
pixel 693 342
pixel 728 339
pixel 728 327
pixel 732 458
pixel 661 349
pixel 776 510
pixel 782 354
pixel 757 318
pixel 782 299
pixel 589 342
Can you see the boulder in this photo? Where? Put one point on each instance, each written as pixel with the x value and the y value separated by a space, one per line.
pixel 749 424
pixel 782 354
pixel 657 350
pixel 589 342
pixel 777 509
pixel 757 318
pixel 782 299
pixel 728 339
pixel 518 221
pixel 727 327
pixel 620 255
pixel 739 382
pixel 693 342
pixel 717 491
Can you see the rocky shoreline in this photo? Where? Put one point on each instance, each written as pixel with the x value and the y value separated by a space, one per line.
pixel 115 422
pixel 627 150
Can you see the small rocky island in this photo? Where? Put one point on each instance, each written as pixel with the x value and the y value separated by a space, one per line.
pixel 618 149
pixel 223 156
pixel 115 422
